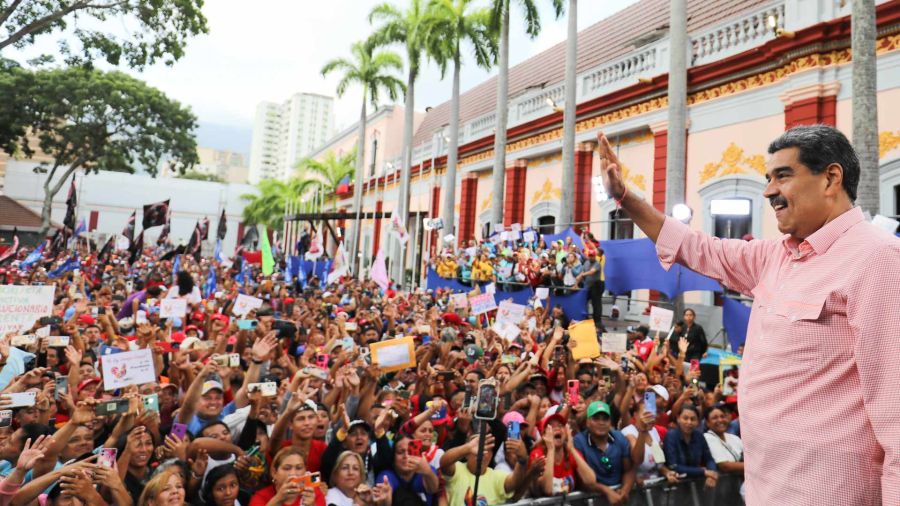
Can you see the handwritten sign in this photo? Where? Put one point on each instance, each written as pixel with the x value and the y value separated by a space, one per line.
pixel 510 312
pixel 394 354
pixel 482 303
pixel 661 319
pixel 127 368
pixel 21 306
pixel 172 308
pixel 506 330
pixel 459 300
pixel 529 236
pixel 542 292
pixel 584 335
pixel 614 343
pixel 245 303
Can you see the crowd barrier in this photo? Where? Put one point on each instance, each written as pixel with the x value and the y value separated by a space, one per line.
pixel 685 493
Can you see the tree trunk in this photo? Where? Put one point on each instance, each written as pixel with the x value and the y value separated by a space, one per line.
pixel 357 186
pixel 499 173
pixel 567 206
pixel 405 173
pixel 46 209
pixel 449 213
pixel 677 134
pixel 50 191
pixel 865 103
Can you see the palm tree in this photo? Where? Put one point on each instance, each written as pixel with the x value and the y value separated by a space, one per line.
pixel 374 72
pixel 865 104
pixel 500 19
pixel 567 207
pixel 409 28
pixel 328 173
pixel 267 207
pixel 455 22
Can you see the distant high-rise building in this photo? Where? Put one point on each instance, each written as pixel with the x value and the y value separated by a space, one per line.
pixel 284 134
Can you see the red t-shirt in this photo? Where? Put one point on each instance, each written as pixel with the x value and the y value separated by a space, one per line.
pixel 563 471
pixel 263 496
pixel 314 459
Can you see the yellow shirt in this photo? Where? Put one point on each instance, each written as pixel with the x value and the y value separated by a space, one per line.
pixel 490 487
pixel 482 270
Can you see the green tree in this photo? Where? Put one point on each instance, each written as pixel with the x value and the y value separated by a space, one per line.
pixel 200 176
pixel 373 71
pixel 455 23
pixel 157 30
pixel 90 120
pixel 267 207
pixel 500 19
pixel 325 174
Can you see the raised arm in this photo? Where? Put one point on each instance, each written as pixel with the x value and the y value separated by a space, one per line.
pixel 192 396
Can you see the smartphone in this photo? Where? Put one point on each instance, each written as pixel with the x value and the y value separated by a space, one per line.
pixel 24 341
pixel 6 418
pixel 508 359
pixel 441 413
pixel 558 353
pixel 151 402
pixel 140 317
pixel 351 326
pixel 179 430
pixel 58 341
pixel 308 480
pixel 247 324
pixel 650 402
pixel 322 360
pixel 486 401
pixel 414 449
pixel 94 310
pixel 695 366
pixel 21 399
pixel 513 430
pixel 62 386
pixel 573 387
pixel 112 407
pixel 268 389
pixel 107 457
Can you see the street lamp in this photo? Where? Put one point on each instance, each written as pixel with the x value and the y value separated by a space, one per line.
pixel 682 213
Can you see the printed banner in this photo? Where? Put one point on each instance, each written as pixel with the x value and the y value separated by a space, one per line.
pixel 127 368
pixel 21 306
pixel 482 303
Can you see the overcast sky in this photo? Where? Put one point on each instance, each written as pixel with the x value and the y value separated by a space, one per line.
pixel 270 49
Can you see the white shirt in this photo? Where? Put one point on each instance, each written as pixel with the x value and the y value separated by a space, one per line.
pixel 336 497
pixel 649 467
pixel 730 450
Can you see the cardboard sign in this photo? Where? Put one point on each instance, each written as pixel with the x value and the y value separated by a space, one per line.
pixel 172 308
pixel 490 288
pixel 584 335
pixel 245 303
pixel 516 227
pixel 482 303
pixel 510 312
pixel 127 368
pixel 613 343
pixel 661 319
pixel 529 236
pixel 542 292
pixel 506 330
pixel 459 300
pixel 394 354
pixel 43 331
pixel 21 306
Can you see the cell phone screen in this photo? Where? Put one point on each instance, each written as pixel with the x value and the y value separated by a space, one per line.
pixel 650 402
pixel 486 406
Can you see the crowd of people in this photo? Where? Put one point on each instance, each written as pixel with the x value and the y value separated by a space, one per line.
pixel 287 405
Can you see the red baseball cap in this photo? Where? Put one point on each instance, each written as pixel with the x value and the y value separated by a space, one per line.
pixel 85 382
pixel 198 315
pixel 86 319
pixel 178 337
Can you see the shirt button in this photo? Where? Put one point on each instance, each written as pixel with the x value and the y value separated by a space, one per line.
pixel 770 310
pixel 793 318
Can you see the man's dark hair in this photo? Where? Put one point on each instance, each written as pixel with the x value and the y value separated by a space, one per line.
pixel 155 290
pixel 33 431
pixel 185 282
pixel 819 147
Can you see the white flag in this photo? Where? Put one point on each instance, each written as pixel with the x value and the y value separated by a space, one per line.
pixel 378 273
pixel 339 265
pixel 398 228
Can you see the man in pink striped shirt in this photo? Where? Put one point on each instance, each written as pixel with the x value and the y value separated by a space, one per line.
pixel 819 395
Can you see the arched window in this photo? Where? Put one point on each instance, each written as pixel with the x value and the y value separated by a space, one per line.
pixel 890 189
pixel 543 216
pixel 733 206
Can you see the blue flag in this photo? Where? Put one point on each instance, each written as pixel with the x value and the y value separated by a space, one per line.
pixel 242 275
pixel 33 257
pixel 210 287
pixel 69 265
pixel 81 228
pixel 176 265
pixel 218 253
pixel 301 275
pixel 287 270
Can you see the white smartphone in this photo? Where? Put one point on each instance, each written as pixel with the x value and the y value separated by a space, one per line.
pixel 20 399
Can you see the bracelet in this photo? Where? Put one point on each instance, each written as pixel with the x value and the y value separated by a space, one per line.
pixel 257 362
pixel 620 199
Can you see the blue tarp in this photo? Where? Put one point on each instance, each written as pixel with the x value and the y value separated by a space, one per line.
pixel 320 268
pixel 735 318
pixel 632 264
pixel 569 232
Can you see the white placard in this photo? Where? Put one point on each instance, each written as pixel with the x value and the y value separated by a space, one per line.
pixel 43 331
pixel 661 319
pixel 510 312
pixel 529 236
pixel 471 251
pixel 459 300
pixel 506 330
pixel 22 305
pixel 516 227
pixel 172 308
pixel 542 292
pixel 482 303
pixel 122 243
pixel 127 368
pixel 613 343
pixel 490 288
pixel 245 303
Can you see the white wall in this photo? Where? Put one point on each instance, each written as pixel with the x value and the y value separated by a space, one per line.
pixel 116 195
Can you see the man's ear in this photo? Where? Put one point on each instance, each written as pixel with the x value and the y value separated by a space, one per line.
pixel 834 173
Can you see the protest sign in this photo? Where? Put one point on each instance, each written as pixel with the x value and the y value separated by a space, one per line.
pixel 22 305
pixel 490 288
pixel 506 330
pixel 510 312
pixel 172 308
pixel 529 236
pixel 482 303
pixel 127 368
pixel 459 300
pixel 394 354
pixel 584 335
pixel 245 303
pixel 661 319
pixel 43 331
pixel 542 292
pixel 614 343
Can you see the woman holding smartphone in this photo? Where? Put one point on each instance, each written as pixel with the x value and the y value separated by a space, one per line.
pixel 687 454
pixel 411 472
pixel 348 487
pixel 288 469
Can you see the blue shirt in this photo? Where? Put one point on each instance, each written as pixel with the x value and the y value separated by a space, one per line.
pixel 691 458
pixel 608 465
pixel 197 423
pixel 416 486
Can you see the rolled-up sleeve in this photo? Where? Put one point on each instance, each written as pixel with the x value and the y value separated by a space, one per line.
pixel 735 263
pixel 875 323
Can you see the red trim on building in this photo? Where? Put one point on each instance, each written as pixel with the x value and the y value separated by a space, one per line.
pixel 584 169
pixel 467 204
pixel 514 199
pixel 811 111
pixel 436 213
pixel 660 143
pixel 240 235
pixel 377 242
pixel 92 221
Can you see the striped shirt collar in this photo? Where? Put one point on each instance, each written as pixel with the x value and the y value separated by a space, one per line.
pixel 822 239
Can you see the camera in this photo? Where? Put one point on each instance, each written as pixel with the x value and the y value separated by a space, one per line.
pixel 487 400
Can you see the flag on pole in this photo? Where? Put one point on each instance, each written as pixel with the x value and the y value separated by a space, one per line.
pixel 288 275
pixel 301 276
pixel 156 214
pixel 33 257
pixel 60 240
pixel 136 249
pixel 209 287
pixel 398 228
pixel 12 250
pixel 339 266
pixel 71 204
pixel 70 264
pixel 315 248
pixel 243 275
pixel 128 231
pixel 103 256
pixel 204 229
pixel 167 228
pixel 268 262
pixel 193 245
pixel 378 273
pixel 223 227
pixel 81 228
pixel 218 252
